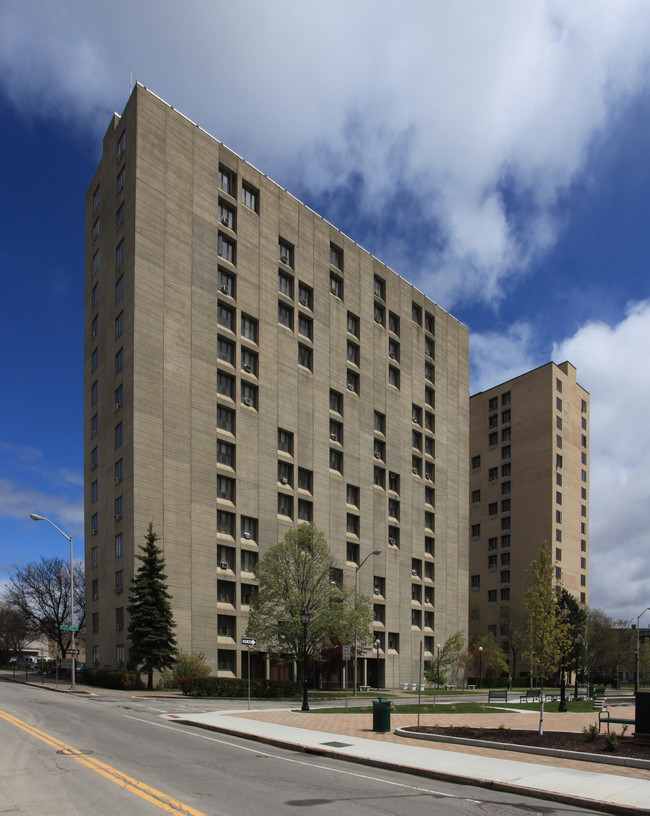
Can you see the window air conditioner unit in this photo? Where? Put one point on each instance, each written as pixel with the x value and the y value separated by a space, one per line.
pixel 225 220
pixel 414 572
pixel 428 477
pixel 377 591
pixel 224 565
pixel 247 536
pixel 247 368
pixel 303 301
pixel 377 455
pixel 416 471
pixel 284 259
pixel 118 405
pixel 392 355
pixel 333 437
pixel 94 335
pixel 392 540
pixel 224 288
pixel 118 517
pixel 377 319
pixel 284 480
pixel 248 401
pixel 118 479
pixel 350 387
pixel 119 627
pixel 93 531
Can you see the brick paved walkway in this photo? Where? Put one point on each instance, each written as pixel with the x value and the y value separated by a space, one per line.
pixel 360 725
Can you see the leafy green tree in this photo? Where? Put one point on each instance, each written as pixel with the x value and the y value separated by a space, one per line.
pixel 40 592
pixel 548 632
pixel 151 622
pixel 516 619
pixel 436 670
pixel 296 574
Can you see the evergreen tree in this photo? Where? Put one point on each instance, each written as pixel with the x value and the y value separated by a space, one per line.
pixel 151 622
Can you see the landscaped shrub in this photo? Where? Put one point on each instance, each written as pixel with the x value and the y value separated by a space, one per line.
pixel 590 732
pixel 236 687
pixel 111 679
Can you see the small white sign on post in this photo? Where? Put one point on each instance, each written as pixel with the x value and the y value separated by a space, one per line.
pixel 347 652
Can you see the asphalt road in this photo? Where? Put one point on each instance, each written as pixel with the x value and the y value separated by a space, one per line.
pixel 104 755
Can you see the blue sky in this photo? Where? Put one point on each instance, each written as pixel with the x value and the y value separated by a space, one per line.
pixel 494 154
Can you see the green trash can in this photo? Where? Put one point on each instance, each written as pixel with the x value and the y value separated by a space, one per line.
pixel 381 715
pixel 591 690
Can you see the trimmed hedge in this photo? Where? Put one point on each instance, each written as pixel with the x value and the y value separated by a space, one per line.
pixel 111 679
pixel 236 687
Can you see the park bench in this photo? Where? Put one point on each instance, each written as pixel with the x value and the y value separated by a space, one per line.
pixel 471 687
pixel 606 716
pixel 552 698
pixel 531 696
pixel 498 696
pixel 450 687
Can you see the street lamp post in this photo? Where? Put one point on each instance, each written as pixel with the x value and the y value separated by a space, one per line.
pixel 356 592
pixel 563 706
pixel 304 618
pixel 480 666
pixel 35 517
pixel 638 646
pixel 377 645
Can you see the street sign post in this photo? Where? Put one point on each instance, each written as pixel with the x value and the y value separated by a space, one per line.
pixel 67 628
pixel 347 652
pixel 248 642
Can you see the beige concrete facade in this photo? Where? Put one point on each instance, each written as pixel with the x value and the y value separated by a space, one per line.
pixel 529 484
pixel 271 371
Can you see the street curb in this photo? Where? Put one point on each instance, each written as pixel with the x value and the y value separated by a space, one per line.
pixel 605 759
pixel 505 787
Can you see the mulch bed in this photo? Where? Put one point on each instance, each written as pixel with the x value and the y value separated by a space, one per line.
pixel 562 740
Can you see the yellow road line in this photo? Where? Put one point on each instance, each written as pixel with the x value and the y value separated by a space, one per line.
pixel 156 797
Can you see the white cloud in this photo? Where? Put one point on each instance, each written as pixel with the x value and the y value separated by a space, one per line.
pixel 612 364
pixel 493 102
pixel 17 502
pixel 496 358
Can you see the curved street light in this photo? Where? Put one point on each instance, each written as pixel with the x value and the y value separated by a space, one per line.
pixel 36 517
pixel 356 592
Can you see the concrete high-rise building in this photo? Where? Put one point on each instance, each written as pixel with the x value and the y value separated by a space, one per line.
pixel 248 368
pixel 529 484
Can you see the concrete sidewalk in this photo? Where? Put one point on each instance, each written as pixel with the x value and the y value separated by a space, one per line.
pixel 595 785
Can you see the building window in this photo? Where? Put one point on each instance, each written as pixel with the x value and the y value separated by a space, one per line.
pixel 118 471
pixel 285 315
pixel 96 197
pixel 505 506
pixel 121 180
pixel 476 530
pixel 505 594
pixel 95 266
pixel 249 528
pixel 94 392
pixel 248 561
pixel 492 596
pixel 226 248
pixel 379 422
pixel 305 478
pixel 379 449
pixel 505 576
pixel 225 350
pixel 494 439
pixel 430 399
pixel 119 581
pixel 226 454
pixel 285 253
pixel 505 399
pixel 393 536
pixel 119 362
pixel 285 284
pixel 416 314
pixel 353 381
pixel 505 523
pixel 305 295
pixel 119 502
pixel 416 440
pixel 379 477
pixel 225 316
pixel 505 488
pixel 226 523
pixel 304 357
pixel 225 488
pixel 285 441
pixel 505 435
pixel 393 508
pixel 226 215
pixel 393 376
pixel 336 286
pixel 429 347
pixel 227 180
pixel 285 505
pixel 250 196
pixel 353 353
pixel 493 508
pixel 336 431
pixel 119 429
pixel 353 324
pixel 505 470
pixel 249 328
pixel 336 402
pixel 226 283
pixel 505 452
pixel 379 314
pixel 225 419
pixel 393 483
pixel 120 216
pixel 305 326
pixel 352 524
pixel 336 257
pixel 352 495
pixel 305 510
pixel 379 287
pixel 393 326
pixel 225 385
pixel 393 350
pixel 285 473
pixel 95 589
pixel 336 460
pixel 429 323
